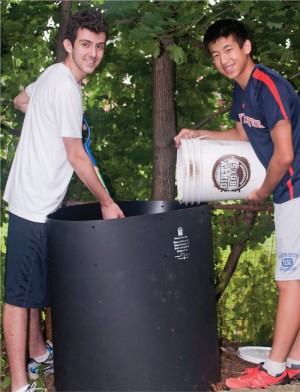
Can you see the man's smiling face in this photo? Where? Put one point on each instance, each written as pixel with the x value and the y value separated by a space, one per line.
pixel 86 53
pixel 231 60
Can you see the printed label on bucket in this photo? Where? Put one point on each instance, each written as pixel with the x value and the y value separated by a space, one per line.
pixel 231 173
pixel 181 245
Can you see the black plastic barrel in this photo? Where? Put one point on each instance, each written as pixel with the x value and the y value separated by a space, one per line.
pixel 133 300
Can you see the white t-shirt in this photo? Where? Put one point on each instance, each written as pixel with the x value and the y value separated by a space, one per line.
pixel 40 172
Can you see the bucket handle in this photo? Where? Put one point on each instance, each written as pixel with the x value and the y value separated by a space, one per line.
pixel 206 137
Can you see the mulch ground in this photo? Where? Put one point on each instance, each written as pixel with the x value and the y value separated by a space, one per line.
pixel 231 366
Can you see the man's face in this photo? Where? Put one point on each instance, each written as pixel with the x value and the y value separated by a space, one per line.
pixel 86 53
pixel 231 60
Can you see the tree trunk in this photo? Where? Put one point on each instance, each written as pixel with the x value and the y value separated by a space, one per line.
pixel 164 124
pixel 65 11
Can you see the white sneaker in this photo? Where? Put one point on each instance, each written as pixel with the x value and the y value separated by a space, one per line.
pixel 44 368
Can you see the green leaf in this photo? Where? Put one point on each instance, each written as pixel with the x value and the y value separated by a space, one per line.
pixel 152 48
pixel 6 382
pixel 177 54
pixel 153 19
pixel 275 25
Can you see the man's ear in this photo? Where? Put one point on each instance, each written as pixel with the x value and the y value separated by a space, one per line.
pixel 68 46
pixel 247 46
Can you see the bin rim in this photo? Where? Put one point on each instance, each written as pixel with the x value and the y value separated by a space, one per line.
pixel 165 206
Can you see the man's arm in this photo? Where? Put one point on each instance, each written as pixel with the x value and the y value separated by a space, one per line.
pixel 236 133
pixel 84 168
pixel 280 162
pixel 21 101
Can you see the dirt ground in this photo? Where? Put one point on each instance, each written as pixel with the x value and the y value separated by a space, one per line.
pixel 231 366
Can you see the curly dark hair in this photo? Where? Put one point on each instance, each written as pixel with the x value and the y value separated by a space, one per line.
pixel 225 28
pixel 86 19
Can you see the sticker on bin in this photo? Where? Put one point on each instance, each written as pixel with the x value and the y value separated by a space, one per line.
pixel 181 245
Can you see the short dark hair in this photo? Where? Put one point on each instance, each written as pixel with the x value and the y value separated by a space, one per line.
pixel 225 28
pixel 86 19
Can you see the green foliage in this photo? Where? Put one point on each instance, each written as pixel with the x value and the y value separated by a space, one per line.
pixel 246 311
pixel 229 228
pixel 5 377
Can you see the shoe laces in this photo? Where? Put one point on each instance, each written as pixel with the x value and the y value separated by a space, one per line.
pixel 49 344
pixel 33 388
pixel 49 347
pixel 253 369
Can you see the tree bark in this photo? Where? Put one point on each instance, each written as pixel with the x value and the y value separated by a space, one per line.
pixel 65 11
pixel 164 124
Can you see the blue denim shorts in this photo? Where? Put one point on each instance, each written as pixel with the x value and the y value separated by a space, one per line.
pixel 26 268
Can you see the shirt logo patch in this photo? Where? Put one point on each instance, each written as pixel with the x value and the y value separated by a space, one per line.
pixel 251 122
pixel 288 261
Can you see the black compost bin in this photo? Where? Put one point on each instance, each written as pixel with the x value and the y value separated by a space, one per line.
pixel 133 300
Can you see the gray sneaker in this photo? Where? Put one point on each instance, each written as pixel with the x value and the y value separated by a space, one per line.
pixel 41 368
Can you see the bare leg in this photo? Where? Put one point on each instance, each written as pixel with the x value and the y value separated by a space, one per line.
pixel 36 341
pixel 15 322
pixel 287 326
pixel 295 351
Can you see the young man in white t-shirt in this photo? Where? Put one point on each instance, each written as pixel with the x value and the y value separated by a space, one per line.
pixel 49 150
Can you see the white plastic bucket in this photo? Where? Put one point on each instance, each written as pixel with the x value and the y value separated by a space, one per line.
pixel 216 170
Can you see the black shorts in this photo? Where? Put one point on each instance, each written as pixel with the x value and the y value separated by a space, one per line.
pixel 26 268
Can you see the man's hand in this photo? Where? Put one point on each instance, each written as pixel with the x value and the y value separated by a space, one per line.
pixel 84 168
pixel 185 133
pixel 112 211
pixel 236 133
pixel 257 196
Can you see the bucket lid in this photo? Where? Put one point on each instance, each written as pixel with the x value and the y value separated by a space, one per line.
pixel 254 354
